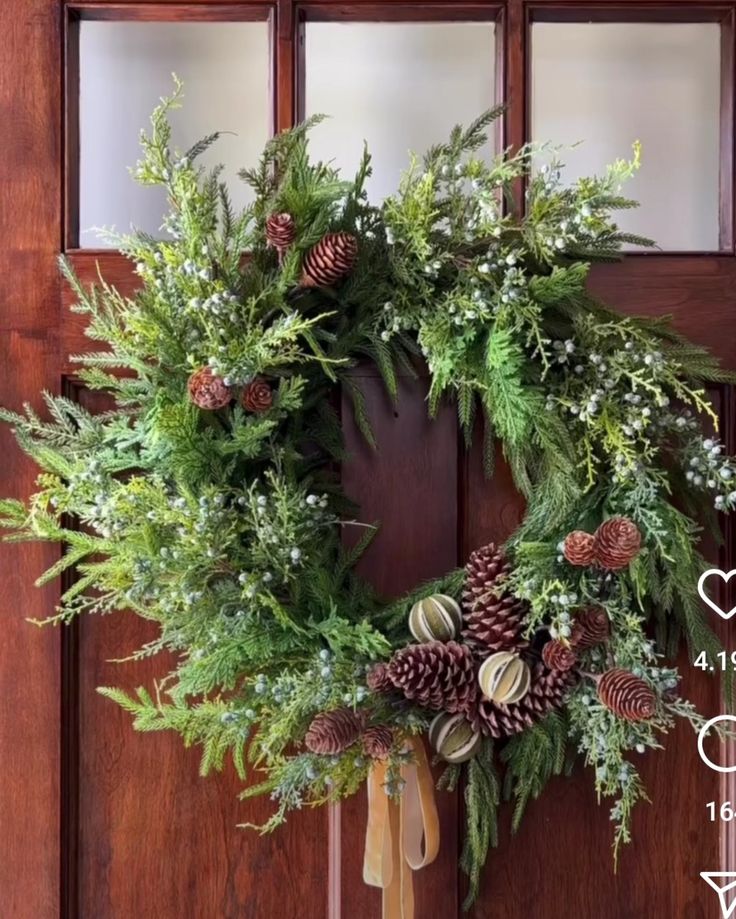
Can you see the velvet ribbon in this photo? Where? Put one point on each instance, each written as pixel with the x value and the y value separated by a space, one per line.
pixel 397 829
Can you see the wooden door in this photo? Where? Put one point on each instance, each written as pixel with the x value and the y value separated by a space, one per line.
pixel 98 822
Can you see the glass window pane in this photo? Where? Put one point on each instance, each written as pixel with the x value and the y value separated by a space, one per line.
pixel 611 84
pixel 125 68
pixel 397 86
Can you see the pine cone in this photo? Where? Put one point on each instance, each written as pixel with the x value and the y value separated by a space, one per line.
pixel 492 619
pixel 558 656
pixel 332 732
pixel 626 695
pixel 591 627
pixel 208 391
pixel 437 675
pixel 377 741
pixel 257 396
pixel 578 548
pixel 484 571
pixel 330 260
pixel 280 231
pixel 547 692
pixel 378 680
pixel 617 542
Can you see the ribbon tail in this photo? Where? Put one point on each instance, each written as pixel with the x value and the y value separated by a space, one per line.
pixel 421 823
pixel 401 836
pixel 377 859
pixel 395 894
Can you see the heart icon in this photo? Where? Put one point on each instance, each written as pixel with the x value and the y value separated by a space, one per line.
pixel 725 577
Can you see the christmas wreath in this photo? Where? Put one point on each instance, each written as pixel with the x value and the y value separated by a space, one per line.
pixel 207 499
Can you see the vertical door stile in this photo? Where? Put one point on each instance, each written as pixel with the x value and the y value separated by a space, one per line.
pixel 30 235
pixel 70 129
pixel 515 42
pixel 728 100
pixel 285 48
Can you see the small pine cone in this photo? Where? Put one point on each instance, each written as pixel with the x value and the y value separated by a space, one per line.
pixel 377 741
pixel 591 627
pixel 626 695
pixel 207 390
pixel 437 675
pixel 332 732
pixel 492 618
pixel 617 542
pixel 548 691
pixel 330 260
pixel 378 680
pixel 257 396
pixel 558 656
pixel 280 231
pixel 578 548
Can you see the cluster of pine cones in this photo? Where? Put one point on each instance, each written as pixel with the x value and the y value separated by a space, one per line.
pixel 327 262
pixel 331 733
pixel 443 676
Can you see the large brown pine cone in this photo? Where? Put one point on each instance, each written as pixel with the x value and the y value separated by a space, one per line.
pixel 579 548
pixel 617 542
pixel 207 390
pixel 495 625
pixel 626 695
pixel 547 692
pixel 377 741
pixel 558 656
pixel 591 627
pixel 330 260
pixel 492 618
pixel 332 732
pixel 280 231
pixel 257 396
pixel 437 675
pixel 484 572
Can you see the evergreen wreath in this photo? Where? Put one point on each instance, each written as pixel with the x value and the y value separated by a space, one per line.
pixel 207 500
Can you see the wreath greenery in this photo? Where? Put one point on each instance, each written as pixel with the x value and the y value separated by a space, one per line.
pixel 207 498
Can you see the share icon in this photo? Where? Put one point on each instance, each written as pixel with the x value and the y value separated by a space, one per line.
pixel 724 884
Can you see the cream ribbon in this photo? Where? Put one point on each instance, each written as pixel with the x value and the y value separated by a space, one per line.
pixel 396 830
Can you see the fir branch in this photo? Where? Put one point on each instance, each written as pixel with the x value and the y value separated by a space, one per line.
pixel 482 797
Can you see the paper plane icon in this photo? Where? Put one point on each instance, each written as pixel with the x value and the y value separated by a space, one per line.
pixel 724 884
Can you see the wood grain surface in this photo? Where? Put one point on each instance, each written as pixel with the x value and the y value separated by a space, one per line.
pixel 30 221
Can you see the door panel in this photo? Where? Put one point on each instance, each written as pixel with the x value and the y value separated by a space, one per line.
pixel 153 837
pixel 102 823
pixel 559 864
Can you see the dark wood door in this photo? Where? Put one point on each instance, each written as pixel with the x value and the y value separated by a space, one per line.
pixel 98 822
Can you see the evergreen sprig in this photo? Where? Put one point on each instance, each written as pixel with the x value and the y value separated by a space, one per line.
pixel 482 798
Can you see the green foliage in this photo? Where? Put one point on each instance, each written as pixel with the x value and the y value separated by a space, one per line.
pixel 224 527
pixel 482 797
pixel 204 724
pixel 531 759
pixel 507 400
